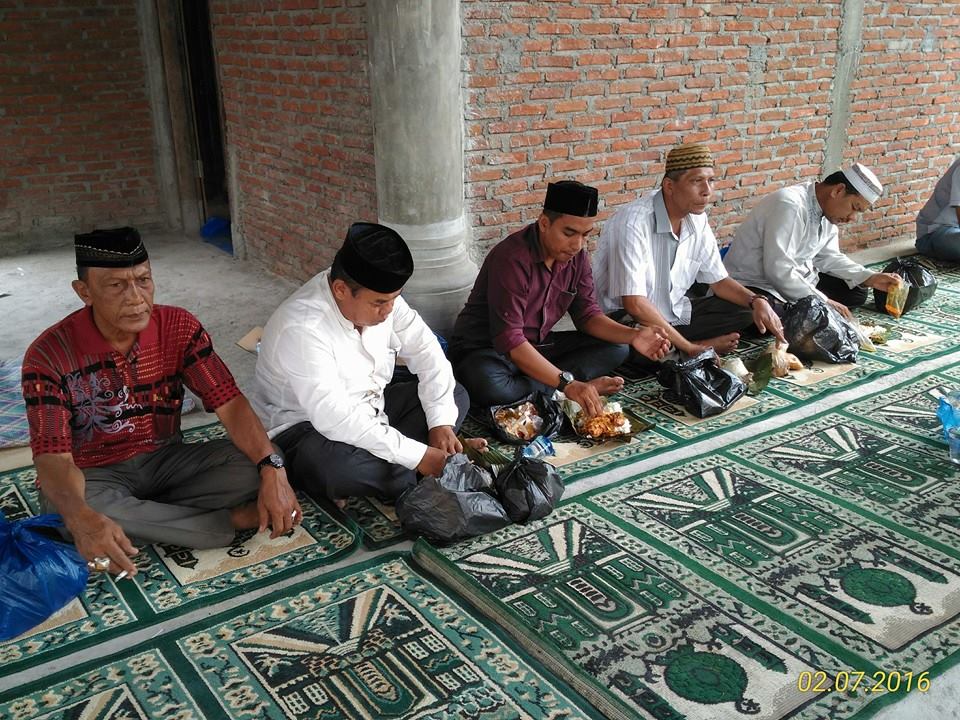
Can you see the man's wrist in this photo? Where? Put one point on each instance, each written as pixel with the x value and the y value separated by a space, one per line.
pixel 755 298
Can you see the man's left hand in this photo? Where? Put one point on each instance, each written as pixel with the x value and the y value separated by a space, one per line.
pixel 884 282
pixel 444 438
pixel 277 504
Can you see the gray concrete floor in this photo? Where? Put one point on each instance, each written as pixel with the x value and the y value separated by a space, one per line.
pixel 230 297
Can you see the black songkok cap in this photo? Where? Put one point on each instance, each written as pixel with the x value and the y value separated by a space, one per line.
pixel 111 248
pixel 570 197
pixel 376 257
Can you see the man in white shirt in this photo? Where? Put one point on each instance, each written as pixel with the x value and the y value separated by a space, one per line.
pixel 938 224
pixel 323 380
pixel 791 237
pixel 653 250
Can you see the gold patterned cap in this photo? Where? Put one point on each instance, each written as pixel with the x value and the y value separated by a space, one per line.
pixel 688 155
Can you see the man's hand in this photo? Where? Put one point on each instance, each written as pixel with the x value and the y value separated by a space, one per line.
pixel 651 342
pixel 277 504
pixel 840 308
pixel 586 396
pixel 96 535
pixel 432 463
pixel 444 438
pixel 884 282
pixel 766 319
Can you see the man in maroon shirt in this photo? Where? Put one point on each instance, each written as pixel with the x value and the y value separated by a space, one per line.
pixel 502 347
pixel 103 390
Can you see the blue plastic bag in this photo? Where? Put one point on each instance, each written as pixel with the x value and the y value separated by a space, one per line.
pixel 40 575
pixel 949 411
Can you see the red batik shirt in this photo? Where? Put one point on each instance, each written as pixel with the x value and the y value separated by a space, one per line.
pixel 85 398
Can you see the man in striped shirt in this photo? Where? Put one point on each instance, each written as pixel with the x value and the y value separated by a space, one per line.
pixel 103 390
pixel 653 250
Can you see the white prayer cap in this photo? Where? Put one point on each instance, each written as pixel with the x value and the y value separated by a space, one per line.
pixel 866 183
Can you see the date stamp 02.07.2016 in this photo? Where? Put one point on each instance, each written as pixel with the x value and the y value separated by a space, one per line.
pixel 881 681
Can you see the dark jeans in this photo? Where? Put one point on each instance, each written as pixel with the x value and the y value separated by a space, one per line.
pixel 493 379
pixel 833 287
pixel 335 470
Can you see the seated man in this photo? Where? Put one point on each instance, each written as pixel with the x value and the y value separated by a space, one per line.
pixel 790 237
pixel 323 380
pixel 103 390
pixel 938 224
pixel 502 345
pixel 654 249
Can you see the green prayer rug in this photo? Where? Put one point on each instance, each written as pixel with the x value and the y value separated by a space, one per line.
pixel 903 481
pixel 630 627
pixel 170 581
pixel 375 640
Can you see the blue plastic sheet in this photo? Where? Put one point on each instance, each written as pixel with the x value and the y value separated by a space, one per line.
pixel 40 575
pixel 949 411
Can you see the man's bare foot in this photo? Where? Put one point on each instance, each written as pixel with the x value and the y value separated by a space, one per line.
pixel 245 517
pixel 478 444
pixel 607 385
pixel 723 344
pixel 340 503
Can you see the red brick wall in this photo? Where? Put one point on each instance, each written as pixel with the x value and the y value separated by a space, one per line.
pixel 76 136
pixel 599 90
pixel 296 100
pixel 905 109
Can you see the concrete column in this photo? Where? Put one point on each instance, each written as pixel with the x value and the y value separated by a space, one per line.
pixel 414 52
pixel 850 45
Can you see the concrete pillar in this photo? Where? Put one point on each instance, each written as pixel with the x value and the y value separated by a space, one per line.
pixel 414 51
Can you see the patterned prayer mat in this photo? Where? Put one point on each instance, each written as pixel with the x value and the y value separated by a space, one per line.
pixel 630 627
pixel 171 580
pixel 14 430
pixel 373 641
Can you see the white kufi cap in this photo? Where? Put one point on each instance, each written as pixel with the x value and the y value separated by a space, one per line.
pixel 866 183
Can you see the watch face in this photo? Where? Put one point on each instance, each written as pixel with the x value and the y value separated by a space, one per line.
pixel 276 460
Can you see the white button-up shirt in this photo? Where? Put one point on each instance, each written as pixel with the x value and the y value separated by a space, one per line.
pixel 315 365
pixel 786 242
pixel 941 208
pixel 639 254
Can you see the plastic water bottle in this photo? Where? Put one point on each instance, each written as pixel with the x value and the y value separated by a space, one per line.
pixel 539 447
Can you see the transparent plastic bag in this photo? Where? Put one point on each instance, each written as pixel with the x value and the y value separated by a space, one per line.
pixel 896 302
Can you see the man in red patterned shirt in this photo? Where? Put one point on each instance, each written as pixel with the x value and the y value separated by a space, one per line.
pixel 104 389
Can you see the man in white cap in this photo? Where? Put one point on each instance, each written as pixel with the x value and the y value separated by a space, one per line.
pixel 789 247
pixel 938 224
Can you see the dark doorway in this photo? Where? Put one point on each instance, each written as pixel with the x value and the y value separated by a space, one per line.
pixel 204 103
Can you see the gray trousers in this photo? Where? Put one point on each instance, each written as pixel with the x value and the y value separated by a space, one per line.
pixel 179 494
pixel 330 469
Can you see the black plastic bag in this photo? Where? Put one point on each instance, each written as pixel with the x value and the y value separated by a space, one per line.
pixel 529 488
pixel 923 284
pixel 39 575
pixel 815 331
pixel 700 385
pixel 457 505
pixel 549 412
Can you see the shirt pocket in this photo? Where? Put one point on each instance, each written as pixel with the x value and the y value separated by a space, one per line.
pixel 683 275
pixel 558 302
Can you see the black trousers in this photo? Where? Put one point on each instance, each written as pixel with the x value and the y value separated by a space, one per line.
pixel 493 379
pixel 712 317
pixel 833 287
pixel 335 470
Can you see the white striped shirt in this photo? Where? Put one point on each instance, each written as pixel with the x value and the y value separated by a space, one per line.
pixel 639 254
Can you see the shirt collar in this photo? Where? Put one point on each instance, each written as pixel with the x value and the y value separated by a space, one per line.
pixel 660 214
pixel 814 211
pixel 533 243
pixel 89 335
pixel 327 293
